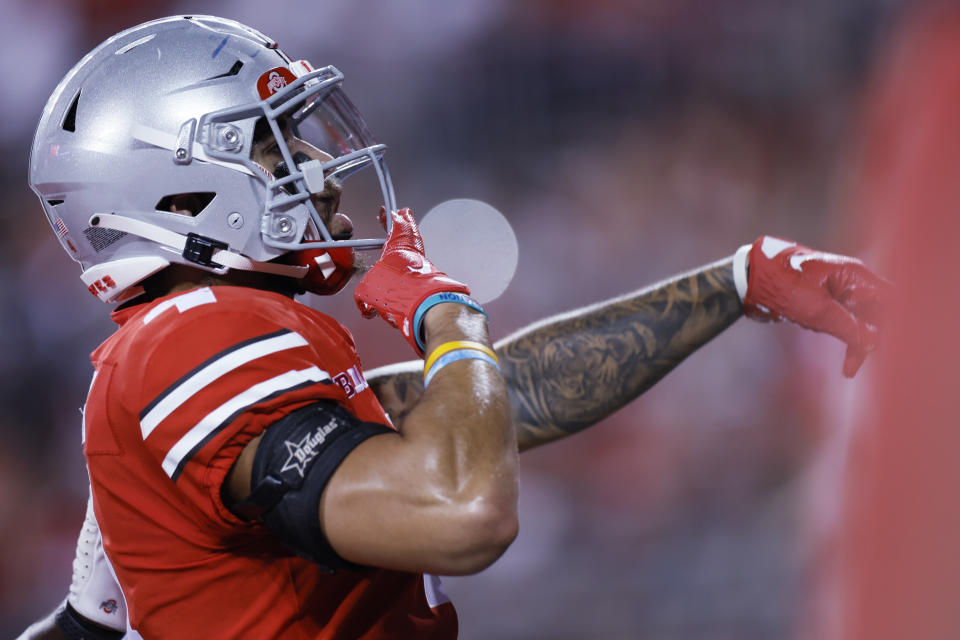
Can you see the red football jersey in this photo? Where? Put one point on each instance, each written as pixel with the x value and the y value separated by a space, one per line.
pixel 179 389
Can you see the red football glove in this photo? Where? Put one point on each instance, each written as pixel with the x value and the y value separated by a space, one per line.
pixel 820 291
pixel 402 278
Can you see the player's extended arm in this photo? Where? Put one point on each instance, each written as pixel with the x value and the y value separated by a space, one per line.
pixel 568 372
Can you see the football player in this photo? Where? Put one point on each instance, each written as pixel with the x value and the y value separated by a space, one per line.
pixel 248 478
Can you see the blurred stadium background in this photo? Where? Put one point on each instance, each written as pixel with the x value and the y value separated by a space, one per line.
pixel 626 141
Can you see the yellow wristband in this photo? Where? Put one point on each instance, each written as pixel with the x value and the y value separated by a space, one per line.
pixel 446 347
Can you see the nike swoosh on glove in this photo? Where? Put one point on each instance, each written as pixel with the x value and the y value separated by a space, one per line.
pixel 821 291
pixel 402 278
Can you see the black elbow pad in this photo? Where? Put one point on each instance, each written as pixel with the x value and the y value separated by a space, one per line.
pixel 294 462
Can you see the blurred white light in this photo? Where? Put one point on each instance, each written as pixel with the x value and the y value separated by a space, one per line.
pixel 474 243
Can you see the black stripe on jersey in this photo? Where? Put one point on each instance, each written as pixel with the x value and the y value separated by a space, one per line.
pixel 206 363
pixel 236 414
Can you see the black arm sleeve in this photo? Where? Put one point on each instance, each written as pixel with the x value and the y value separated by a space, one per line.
pixel 294 462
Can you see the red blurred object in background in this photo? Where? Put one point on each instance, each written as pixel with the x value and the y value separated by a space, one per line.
pixel 901 557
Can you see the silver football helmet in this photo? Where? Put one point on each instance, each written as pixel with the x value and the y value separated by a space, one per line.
pixel 166 112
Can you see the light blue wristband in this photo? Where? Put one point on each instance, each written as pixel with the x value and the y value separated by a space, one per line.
pixel 453 356
pixel 438 298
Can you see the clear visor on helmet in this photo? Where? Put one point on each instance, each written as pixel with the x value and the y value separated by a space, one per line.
pixel 332 124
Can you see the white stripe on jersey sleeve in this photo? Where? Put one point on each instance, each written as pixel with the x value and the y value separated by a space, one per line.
pixel 183 302
pixel 212 372
pixel 251 396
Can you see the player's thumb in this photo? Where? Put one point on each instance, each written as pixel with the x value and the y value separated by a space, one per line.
pixel 859 336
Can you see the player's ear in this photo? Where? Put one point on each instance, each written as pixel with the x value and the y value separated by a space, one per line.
pixel 185 204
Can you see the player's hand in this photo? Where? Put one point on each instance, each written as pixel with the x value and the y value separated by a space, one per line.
pixel 820 291
pixel 402 278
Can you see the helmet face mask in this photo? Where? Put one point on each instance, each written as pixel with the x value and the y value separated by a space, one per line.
pixel 114 159
pixel 312 109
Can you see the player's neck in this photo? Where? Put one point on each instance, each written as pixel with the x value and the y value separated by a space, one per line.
pixel 178 278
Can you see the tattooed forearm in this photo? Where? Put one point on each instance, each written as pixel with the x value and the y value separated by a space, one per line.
pixel 568 372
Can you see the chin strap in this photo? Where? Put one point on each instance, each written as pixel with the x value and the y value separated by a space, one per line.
pixel 197 249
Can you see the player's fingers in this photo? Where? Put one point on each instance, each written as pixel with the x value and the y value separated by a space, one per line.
pixel 859 336
pixel 840 322
pixel 404 234
pixel 836 320
pixel 863 303
pixel 365 309
pixel 852 361
pixel 866 295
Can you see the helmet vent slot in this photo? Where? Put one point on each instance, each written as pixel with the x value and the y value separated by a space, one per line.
pixel 234 70
pixel 100 238
pixel 70 119
pixel 187 204
pixel 54 203
pixel 135 44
